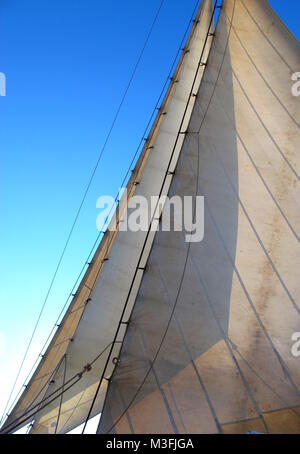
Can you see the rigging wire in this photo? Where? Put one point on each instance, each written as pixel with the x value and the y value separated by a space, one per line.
pixel 63 390
pixel 84 198
pixel 116 199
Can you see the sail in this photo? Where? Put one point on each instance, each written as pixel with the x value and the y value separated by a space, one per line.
pixel 209 344
pixel 61 391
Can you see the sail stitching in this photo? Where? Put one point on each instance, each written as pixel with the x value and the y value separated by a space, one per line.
pixel 163 394
pixel 209 402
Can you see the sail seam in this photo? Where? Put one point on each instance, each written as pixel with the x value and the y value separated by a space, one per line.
pixel 264 382
pixel 171 417
pixel 265 80
pixel 283 284
pixel 127 415
pixel 228 343
pixel 280 359
pixel 265 127
pixel 255 166
pixel 268 412
pixel 234 346
pixel 197 372
pixel 267 38
pixel 231 352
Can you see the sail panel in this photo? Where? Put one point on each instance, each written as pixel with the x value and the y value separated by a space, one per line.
pixel 209 344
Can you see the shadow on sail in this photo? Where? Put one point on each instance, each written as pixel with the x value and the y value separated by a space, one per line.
pixel 182 309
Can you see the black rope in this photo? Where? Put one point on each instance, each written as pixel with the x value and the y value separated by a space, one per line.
pixel 149 229
pixel 62 394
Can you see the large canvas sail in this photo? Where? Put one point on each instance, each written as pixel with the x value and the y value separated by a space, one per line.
pixel 209 344
pixel 59 395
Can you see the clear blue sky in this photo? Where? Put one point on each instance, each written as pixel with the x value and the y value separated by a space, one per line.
pixel 67 64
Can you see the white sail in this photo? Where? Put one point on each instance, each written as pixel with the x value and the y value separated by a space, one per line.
pixel 209 344
pixel 87 335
